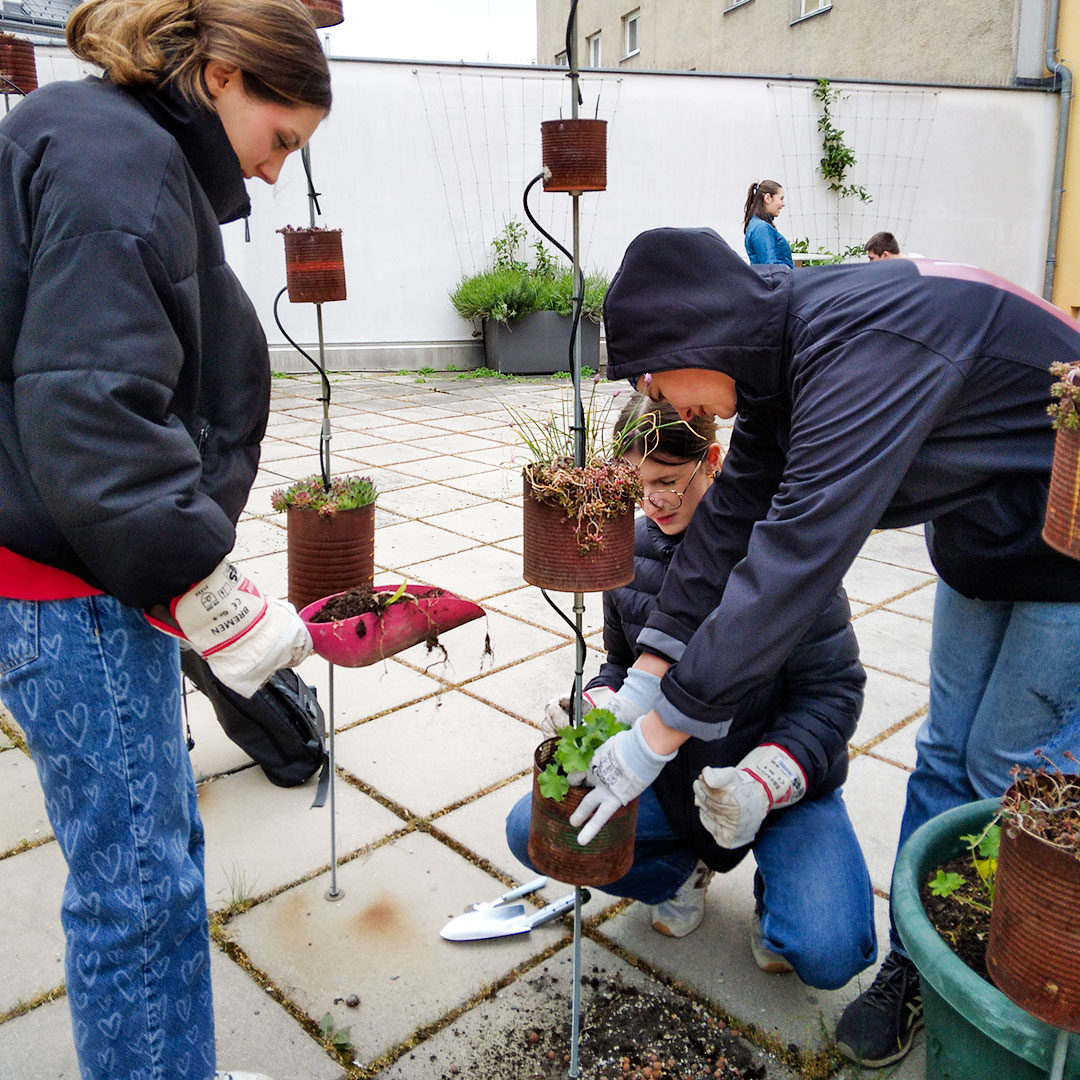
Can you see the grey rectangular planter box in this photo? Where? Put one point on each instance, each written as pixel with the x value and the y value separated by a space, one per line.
pixel 538 344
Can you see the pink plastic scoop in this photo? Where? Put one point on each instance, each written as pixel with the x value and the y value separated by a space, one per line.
pixel 367 639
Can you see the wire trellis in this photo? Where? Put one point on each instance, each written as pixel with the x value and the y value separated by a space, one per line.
pixel 485 131
pixel 888 130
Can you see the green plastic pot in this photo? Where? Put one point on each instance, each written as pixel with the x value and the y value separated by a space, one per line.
pixel 973 1031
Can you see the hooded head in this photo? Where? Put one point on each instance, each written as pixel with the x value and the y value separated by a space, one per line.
pixel 683 299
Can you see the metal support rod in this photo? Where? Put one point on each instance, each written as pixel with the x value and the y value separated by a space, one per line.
pixel 333 893
pixel 1061 1050
pixel 324 433
pixel 575 997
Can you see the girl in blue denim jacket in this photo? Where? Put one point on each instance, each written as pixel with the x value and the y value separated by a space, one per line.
pixel 764 244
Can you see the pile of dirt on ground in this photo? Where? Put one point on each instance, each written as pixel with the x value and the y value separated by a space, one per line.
pixel 627 1033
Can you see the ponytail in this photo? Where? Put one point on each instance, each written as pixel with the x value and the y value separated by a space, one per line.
pixel 755 200
pixel 272 42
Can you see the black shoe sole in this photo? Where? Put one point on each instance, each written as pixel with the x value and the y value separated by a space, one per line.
pixel 880 1063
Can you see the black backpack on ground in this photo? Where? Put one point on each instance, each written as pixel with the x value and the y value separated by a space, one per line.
pixel 281 726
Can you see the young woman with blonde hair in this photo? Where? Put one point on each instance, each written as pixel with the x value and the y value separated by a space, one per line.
pixel 134 391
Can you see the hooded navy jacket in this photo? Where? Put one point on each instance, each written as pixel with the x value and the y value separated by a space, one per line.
pixel 134 376
pixel 869 396
pixel 810 708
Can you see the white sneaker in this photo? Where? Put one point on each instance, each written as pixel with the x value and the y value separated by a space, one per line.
pixel 682 914
pixel 240 1076
pixel 764 957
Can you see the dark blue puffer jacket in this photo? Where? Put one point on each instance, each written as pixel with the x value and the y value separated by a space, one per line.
pixel 873 395
pixel 134 376
pixel 810 708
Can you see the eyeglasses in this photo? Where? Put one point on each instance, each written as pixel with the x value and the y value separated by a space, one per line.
pixel 673 500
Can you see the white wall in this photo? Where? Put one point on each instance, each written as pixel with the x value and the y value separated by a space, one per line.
pixel 421 165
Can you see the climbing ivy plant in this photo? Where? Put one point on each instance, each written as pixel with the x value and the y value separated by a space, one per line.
pixel 838 156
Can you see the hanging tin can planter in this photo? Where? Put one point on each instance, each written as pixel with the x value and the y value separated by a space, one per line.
pixel 314 264
pixel 553 846
pixel 1061 529
pixel 574 152
pixel 328 555
pixel 325 12
pixel 1033 954
pixel 18 67
pixel 576 554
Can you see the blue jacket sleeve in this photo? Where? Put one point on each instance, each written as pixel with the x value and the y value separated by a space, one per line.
pixel 760 242
pixel 852 440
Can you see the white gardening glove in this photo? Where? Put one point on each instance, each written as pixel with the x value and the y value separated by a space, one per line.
pixel 557 710
pixel 634 698
pixel 732 802
pixel 620 770
pixel 242 635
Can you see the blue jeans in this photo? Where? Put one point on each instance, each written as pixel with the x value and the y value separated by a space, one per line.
pixel 812 888
pixel 1004 681
pixel 96 691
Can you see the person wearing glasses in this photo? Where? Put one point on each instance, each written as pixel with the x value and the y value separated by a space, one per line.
pixel 813 899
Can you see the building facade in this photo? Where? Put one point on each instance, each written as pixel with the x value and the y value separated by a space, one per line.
pixel 990 43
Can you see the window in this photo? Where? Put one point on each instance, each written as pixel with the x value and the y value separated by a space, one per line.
pixel 632 33
pixel 561 61
pixel 594 50
pixel 802 9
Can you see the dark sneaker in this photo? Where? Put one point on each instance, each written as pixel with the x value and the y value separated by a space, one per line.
pixel 878 1026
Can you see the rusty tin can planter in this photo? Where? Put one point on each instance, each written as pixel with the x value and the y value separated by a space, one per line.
pixel 314 265
pixel 328 555
pixel 18 67
pixel 575 153
pixel 1061 529
pixel 325 12
pixel 553 846
pixel 1033 954
pixel 553 558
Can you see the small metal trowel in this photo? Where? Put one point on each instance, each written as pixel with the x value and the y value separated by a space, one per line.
pixel 505 920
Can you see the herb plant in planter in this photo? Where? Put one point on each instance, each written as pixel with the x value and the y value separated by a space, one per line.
pixel 523 310
pixel 553 846
pixel 1062 527
pixel 331 535
pixel 973 1030
pixel 578 519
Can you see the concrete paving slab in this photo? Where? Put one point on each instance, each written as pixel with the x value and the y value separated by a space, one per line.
pixel 525 688
pixel 361 693
pixel 901 547
pixel 498 522
pixel 900 747
pixel 416 541
pixel 32 944
pixel 504 484
pixel 214 752
pixel 442 442
pixel 426 500
pixel 259 537
pixel 437 753
pixel 260 837
pixel 920 603
pixel 389 453
pixel 39 1044
pixel 716 961
pixel 256 1034
pixel 529 604
pixel 872 582
pixel 540 1000
pixel 269 572
pixel 875 792
pixel 511 641
pixel 24 819
pixel 889 701
pixel 449 469
pixel 894 643
pixel 381 941
pixel 5 742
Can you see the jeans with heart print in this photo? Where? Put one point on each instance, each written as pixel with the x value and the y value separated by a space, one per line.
pixel 96 691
